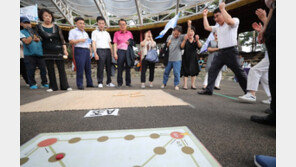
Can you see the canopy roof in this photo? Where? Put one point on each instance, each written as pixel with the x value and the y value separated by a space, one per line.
pixel 137 12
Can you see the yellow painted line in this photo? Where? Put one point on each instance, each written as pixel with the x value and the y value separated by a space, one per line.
pixel 116 137
pixel 52 150
pixel 168 142
pixel 183 142
pixel 62 163
pixel 194 160
pixel 149 160
pixel 155 154
pixel 32 151
pixel 90 139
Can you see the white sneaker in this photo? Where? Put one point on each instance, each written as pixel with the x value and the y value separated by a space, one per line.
pixel 49 90
pixel 100 86
pixel 247 98
pixel 151 85
pixel 69 89
pixel 143 85
pixel 267 101
pixel 177 88
pixel 111 85
pixel 162 86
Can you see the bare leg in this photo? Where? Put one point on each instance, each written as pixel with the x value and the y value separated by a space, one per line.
pixel 185 82
pixel 193 81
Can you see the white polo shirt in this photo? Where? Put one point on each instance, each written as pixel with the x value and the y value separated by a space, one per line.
pixel 227 35
pixel 75 34
pixel 102 39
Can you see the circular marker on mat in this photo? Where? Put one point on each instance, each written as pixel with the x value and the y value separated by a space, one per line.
pixel 74 140
pixel 24 160
pixel 56 157
pixel 159 150
pixel 154 135
pixel 177 135
pixel 187 150
pixel 103 138
pixel 129 137
pixel 47 142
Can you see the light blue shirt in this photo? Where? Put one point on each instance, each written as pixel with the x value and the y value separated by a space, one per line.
pixel 78 34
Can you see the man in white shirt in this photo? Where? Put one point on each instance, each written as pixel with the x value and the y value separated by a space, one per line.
pixel 82 53
pixel 227 42
pixel 101 43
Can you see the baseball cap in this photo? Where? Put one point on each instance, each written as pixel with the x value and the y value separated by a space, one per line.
pixel 24 19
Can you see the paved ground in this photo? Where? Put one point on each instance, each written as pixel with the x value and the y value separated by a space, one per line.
pixel 223 125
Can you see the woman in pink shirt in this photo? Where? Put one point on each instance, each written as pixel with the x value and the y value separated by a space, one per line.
pixel 121 43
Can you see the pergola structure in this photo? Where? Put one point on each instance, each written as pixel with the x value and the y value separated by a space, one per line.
pixel 143 15
pixel 137 12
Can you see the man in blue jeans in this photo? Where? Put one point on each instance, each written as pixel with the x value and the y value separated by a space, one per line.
pixel 175 57
pixel 82 53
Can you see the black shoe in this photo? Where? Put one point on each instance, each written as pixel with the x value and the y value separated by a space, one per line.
pixel 203 88
pixel 119 86
pixel 266 120
pixel 184 88
pixel 129 85
pixel 193 88
pixel 81 88
pixel 217 88
pixel 90 86
pixel 205 92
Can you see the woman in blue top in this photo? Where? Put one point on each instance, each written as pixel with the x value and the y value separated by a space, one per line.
pixel 54 47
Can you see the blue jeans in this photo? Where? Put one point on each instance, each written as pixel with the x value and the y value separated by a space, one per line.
pixel 176 65
pixel 82 59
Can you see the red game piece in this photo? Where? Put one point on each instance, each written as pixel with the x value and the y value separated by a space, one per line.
pixel 59 156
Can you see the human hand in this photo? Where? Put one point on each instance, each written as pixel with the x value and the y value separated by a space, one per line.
pixel 127 42
pixel 82 40
pixel 261 14
pixel 97 56
pixel 222 6
pixel 115 56
pixel 66 53
pixel 257 27
pixel 185 37
pixel 197 37
pixel 36 39
pixel 189 23
pixel 205 12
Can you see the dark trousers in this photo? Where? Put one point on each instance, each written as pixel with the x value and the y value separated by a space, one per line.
pixel 31 63
pixel 104 60
pixel 82 59
pixel 23 70
pixel 227 57
pixel 146 64
pixel 122 65
pixel 52 76
pixel 270 42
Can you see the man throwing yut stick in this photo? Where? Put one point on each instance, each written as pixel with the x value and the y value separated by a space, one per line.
pixel 227 42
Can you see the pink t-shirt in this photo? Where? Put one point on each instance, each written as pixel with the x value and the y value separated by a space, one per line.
pixel 121 38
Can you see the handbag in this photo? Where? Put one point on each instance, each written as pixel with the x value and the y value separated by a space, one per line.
pixel 152 56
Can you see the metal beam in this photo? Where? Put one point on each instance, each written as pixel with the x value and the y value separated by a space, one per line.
pixel 139 12
pixel 102 10
pixel 177 7
pixel 64 10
